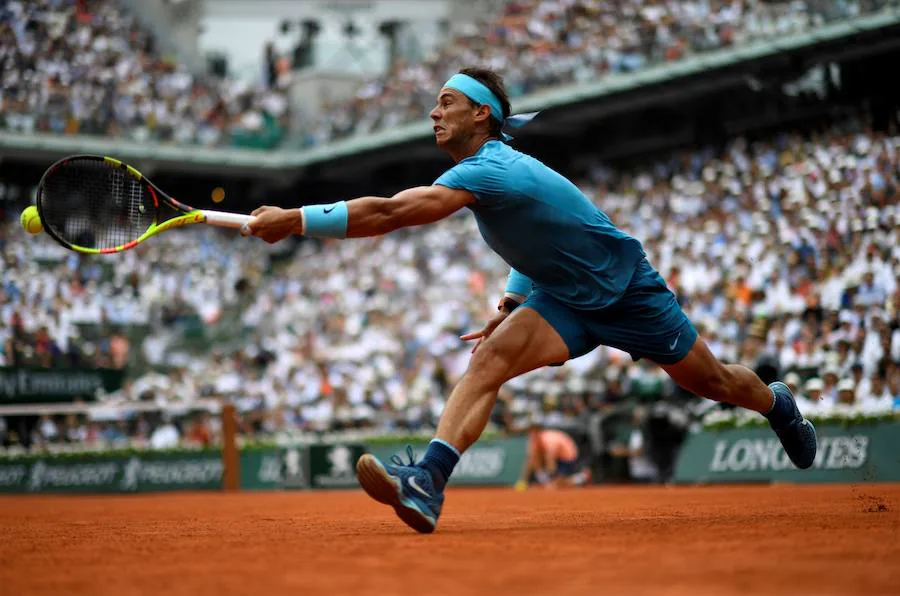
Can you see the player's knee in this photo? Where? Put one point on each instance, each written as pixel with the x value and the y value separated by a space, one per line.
pixel 491 363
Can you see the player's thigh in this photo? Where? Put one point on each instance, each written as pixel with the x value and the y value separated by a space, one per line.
pixel 523 342
pixel 699 372
pixel 571 327
pixel 647 321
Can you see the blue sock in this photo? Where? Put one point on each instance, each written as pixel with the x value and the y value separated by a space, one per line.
pixel 782 412
pixel 439 460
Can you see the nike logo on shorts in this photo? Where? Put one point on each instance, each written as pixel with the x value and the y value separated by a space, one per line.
pixel 675 343
pixel 415 486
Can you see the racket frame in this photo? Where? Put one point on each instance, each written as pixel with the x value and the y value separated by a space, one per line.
pixel 189 215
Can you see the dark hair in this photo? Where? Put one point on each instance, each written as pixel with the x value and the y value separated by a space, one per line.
pixel 494 82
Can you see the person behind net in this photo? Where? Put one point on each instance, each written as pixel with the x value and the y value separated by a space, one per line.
pixel 576 281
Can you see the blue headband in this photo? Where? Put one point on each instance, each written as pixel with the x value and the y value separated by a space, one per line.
pixel 480 94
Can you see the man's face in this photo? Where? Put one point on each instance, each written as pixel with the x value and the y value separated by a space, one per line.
pixel 454 117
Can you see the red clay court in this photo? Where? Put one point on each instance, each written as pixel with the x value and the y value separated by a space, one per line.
pixel 612 540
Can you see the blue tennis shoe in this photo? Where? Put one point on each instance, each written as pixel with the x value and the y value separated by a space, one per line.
pixel 405 487
pixel 798 435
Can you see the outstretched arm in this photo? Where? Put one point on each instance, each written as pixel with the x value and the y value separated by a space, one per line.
pixel 374 216
pixel 362 217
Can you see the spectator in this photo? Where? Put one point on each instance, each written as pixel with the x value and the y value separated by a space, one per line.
pixel 199 432
pixel 641 467
pixel 165 436
pixel 870 292
pixel 874 394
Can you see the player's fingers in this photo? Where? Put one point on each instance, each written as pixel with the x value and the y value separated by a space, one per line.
pixel 478 343
pixel 248 228
pixel 259 210
pixel 473 335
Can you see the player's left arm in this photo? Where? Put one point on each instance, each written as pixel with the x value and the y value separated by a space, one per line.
pixel 375 216
pixel 362 217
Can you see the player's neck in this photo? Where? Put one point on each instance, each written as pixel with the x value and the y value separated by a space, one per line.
pixel 470 147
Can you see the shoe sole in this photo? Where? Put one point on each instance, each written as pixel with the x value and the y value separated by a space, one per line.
pixel 803 420
pixel 386 489
pixel 815 452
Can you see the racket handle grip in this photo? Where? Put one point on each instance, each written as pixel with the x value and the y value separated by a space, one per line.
pixel 226 220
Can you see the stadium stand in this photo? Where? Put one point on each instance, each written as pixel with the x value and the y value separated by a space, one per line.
pixel 785 253
pixel 539 44
pixel 122 85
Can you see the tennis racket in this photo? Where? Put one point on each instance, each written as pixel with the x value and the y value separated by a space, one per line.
pixel 98 205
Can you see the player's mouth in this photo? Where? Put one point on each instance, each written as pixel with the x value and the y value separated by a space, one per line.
pixel 438 129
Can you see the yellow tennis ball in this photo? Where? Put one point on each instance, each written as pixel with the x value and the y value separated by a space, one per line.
pixel 218 194
pixel 31 221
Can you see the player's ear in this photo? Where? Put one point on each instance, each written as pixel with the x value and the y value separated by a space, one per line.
pixel 482 113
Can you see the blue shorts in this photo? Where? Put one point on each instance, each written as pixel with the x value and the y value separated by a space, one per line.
pixel 647 321
pixel 567 468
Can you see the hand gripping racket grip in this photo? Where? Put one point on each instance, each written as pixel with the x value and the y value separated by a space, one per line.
pixel 226 220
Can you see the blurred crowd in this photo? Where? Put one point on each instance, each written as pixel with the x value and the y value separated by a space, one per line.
pixel 86 67
pixel 149 430
pixel 784 252
pixel 59 309
pixel 541 44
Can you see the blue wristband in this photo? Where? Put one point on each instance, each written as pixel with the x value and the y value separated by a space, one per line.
pixel 325 221
pixel 518 283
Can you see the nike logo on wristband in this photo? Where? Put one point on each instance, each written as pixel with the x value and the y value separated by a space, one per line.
pixel 327 211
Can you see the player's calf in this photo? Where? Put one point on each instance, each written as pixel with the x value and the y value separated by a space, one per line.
pixel 701 373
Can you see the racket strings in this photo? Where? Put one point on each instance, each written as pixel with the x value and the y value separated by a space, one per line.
pixel 95 205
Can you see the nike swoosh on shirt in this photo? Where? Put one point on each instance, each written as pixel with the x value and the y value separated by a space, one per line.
pixel 675 343
pixel 415 486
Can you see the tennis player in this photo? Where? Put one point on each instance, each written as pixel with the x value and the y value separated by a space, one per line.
pixel 576 282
